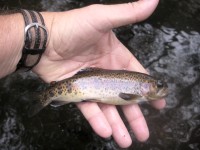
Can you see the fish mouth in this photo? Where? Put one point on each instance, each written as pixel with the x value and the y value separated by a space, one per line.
pixel 161 93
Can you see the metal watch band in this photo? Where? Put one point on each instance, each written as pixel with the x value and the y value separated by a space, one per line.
pixel 35 34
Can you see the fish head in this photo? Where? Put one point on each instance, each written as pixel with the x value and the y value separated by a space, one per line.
pixel 158 90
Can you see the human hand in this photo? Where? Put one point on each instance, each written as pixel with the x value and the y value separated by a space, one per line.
pixel 83 38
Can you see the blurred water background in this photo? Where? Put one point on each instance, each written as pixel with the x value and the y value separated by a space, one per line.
pixel 167 44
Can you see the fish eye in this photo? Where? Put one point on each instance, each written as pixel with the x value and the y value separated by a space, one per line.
pixel 160 84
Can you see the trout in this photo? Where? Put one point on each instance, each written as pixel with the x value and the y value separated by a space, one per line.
pixel 116 87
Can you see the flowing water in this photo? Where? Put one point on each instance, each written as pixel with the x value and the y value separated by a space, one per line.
pixel 167 44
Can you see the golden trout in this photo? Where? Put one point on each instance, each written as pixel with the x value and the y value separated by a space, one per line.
pixel 116 87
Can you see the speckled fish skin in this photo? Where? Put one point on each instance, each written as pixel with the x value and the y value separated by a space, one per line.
pixel 100 85
pixel 117 87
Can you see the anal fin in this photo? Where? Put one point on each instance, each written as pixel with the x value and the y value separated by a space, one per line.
pixel 57 103
pixel 91 100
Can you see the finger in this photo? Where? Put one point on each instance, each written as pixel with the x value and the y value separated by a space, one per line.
pixel 96 118
pixel 119 131
pixel 137 121
pixel 159 104
pixel 121 14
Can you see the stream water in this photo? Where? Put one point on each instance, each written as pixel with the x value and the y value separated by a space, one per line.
pixel 167 44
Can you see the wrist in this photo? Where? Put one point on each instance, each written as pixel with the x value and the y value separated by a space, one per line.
pixel 48 20
pixel 11 43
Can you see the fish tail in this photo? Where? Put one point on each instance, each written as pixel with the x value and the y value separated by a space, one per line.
pixel 34 109
pixel 37 105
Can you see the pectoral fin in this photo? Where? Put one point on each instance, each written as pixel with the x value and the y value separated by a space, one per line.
pixel 129 97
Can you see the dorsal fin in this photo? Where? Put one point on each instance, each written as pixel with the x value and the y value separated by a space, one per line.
pixel 52 83
pixel 89 69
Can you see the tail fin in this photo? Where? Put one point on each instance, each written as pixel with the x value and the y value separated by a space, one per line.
pixel 37 105
pixel 35 108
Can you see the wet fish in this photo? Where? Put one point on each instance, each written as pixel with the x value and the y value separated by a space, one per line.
pixel 116 87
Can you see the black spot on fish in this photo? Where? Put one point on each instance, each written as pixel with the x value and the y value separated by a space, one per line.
pixel 51 94
pixel 59 87
pixel 69 89
pixel 63 87
pixel 60 91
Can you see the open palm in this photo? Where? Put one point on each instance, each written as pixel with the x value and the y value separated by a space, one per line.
pixel 83 38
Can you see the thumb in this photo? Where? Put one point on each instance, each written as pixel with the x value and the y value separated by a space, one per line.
pixel 106 17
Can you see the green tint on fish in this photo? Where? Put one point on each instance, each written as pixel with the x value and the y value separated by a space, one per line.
pixel 116 87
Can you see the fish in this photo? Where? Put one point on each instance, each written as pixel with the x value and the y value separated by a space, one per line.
pixel 115 87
